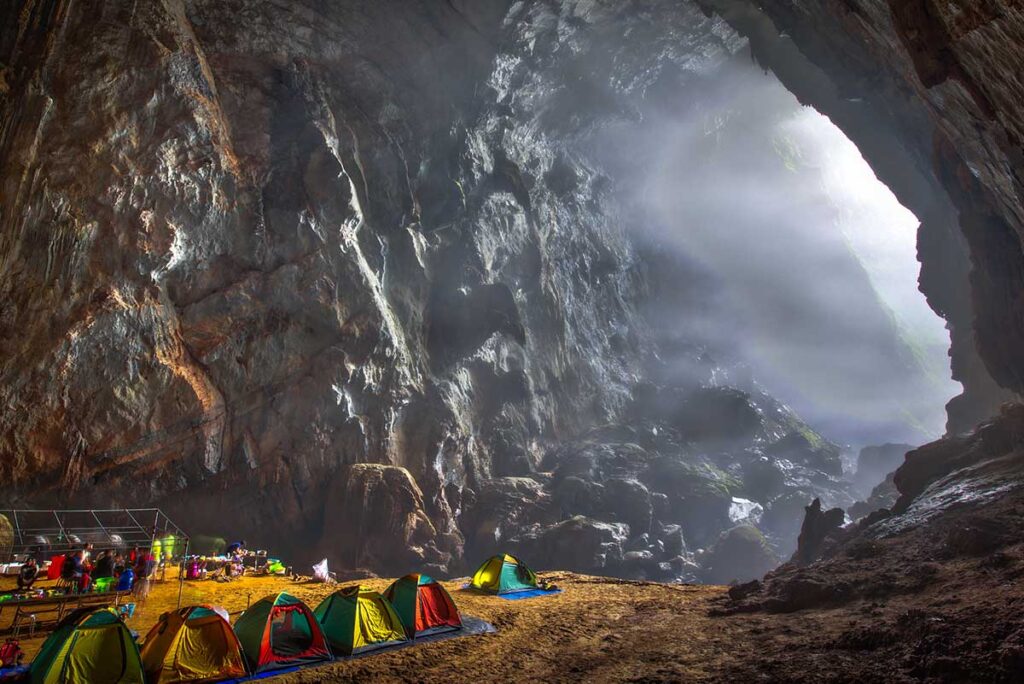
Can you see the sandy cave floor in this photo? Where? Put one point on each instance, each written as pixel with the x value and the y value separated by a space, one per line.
pixel 598 629
pixel 602 629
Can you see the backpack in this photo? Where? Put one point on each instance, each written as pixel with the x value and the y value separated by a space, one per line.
pixel 10 653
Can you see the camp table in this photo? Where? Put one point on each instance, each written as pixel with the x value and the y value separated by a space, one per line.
pixel 45 613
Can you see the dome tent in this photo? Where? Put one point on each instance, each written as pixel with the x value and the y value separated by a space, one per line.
pixel 356 620
pixel 504 574
pixel 89 645
pixel 192 644
pixel 423 605
pixel 280 631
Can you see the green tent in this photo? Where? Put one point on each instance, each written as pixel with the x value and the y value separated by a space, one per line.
pixel 424 606
pixel 280 631
pixel 504 574
pixel 356 619
pixel 89 645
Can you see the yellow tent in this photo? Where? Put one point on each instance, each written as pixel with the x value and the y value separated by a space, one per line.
pixel 357 619
pixel 193 644
pixel 504 574
pixel 89 646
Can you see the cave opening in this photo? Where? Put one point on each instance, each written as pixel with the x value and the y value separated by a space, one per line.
pixel 811 259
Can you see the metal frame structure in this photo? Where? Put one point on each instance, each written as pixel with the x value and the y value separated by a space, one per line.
pixel 53 532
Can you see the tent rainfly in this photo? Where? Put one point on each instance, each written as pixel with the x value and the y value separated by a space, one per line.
pixel 357 619
pixel 193 644
pixel 504 574
pixel 424 606
pixel 278 632
pixel 89 645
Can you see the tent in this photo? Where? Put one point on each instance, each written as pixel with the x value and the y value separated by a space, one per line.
pixel 423 605
pixel 193 644
pixel 504 574
pixel 89 645
pixel 280 631
pixel 356 619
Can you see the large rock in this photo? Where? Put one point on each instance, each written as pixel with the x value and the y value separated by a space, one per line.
pixel 806 448
pixel 502 509
pixel 740 554
pixel 698 496
pixel 375 519
pixel 579 544
pixel 630 502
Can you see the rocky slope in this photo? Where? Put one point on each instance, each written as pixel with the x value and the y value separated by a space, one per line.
pixel 929 590
pixel 350 266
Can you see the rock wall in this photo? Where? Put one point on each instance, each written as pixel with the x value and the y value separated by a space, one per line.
pixel 260 261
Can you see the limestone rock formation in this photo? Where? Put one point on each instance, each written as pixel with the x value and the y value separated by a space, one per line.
pixel 295 268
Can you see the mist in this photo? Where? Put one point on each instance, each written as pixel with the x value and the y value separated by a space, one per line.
pixel 812 260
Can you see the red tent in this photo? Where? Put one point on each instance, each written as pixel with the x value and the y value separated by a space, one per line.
pixel 423 605
pixel 278 632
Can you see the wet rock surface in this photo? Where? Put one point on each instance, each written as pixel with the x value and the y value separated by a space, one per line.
pixel 263 260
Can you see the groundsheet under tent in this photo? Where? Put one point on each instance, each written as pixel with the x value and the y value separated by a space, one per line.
pixel 515 595
pixel 471 626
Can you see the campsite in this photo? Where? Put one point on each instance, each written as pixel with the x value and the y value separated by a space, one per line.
pixel 544 638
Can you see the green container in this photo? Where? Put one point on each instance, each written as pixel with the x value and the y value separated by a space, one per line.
pixel 103 584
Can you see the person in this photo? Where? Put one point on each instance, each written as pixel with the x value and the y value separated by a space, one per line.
pixel 104 565
pixel 143 576
pixel 75 571
pixel 119 565
pixel 236 549
pixel 126 580
pixel 28 573
pixel 72 568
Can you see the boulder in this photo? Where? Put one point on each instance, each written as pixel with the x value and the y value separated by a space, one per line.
pixel 699 496
pixel 579 544
pixel 370 503
pixel 640 565
pixel 672 538
pixel 763 479
pixel 718 416
pixel 809 449
pixel 740 555
pixel 630 502
pixel 576 496
pixel 504 507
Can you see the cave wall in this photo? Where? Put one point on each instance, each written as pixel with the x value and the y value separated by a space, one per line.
pixel 246 246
